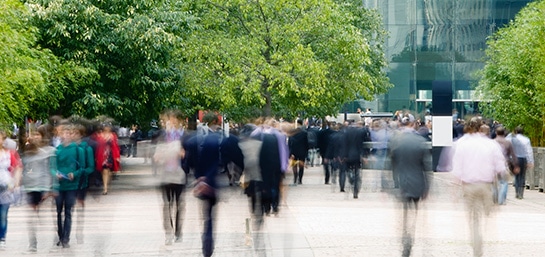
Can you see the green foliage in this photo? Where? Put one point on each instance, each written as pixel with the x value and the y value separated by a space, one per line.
pixel 131 47
pixel 29 75
pixel 282 57
pixel 513 79
pixel 131 59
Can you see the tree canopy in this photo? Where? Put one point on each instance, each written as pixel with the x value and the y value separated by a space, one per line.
pixel 130 44
pixel 131 59
pixel 281 57
pixel 513 79
pixel 31 77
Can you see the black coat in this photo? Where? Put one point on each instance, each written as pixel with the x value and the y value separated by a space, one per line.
pixel 352 147
pixel 409 159
pixel 334 147
pixel 298 144
pixel 323 141
pixel 269 162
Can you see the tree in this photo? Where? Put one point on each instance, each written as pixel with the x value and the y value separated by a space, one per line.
pixel 513 79
pixel 281 57
pixel 31 78
pixel 130 44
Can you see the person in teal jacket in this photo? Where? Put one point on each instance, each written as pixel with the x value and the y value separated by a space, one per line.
pixel 88 168
pixel 70 158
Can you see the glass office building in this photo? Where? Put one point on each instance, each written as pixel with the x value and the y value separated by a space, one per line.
pixel 437 41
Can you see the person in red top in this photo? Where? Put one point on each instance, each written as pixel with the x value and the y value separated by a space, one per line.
pixel 107 155
pixel 10 169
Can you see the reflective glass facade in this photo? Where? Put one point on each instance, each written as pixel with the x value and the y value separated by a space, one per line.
pixel 435 41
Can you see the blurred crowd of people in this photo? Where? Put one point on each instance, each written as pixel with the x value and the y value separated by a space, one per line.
pixel 63 157
pixel 59 159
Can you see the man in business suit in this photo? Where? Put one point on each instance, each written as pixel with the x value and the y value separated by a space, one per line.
pixel 353 154
pixel 298 146
pixel 409 159
pixel 323 144
pixel 203 153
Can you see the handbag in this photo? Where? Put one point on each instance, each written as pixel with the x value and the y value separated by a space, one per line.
pixel 203 190
pixel 512 168
pixel 6 181
pixel 242 182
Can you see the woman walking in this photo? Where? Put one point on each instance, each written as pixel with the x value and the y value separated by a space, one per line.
pixel 39 164
pixel 69 169
pixel 9 172
pixel 107 155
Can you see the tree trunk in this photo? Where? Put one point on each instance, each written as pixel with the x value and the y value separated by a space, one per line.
pixel 267 109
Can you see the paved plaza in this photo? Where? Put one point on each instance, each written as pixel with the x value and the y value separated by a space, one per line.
pixel 314 220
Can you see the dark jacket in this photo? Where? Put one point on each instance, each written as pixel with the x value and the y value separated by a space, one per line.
pixel 323 141
pixel 409 159
pixel 334 147
pixel 298 144
pixel 205 154
pixel 352 147
pixel 269 163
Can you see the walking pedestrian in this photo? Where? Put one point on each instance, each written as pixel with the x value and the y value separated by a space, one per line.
pixel 312 137
pixel 298 146
pixel 204 155
pixel 87 167
pixel 69 169
pixel 107 155
pixel 380 137
pixel 323 144
pixel 251 148
pixel 270 167
pixel 353 154
pixel 154 134
pixel 512 162
pixel 39 163
pixel 525 157
pixel 10 168
pixel 476 162
pixel 169 157
pixel 409 157
pixel 134 137
pixel 335 151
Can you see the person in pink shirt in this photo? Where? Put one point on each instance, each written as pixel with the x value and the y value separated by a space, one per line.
pixel 477 161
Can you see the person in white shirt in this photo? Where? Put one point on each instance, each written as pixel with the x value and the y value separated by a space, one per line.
pixel 525 158
pixel 476 162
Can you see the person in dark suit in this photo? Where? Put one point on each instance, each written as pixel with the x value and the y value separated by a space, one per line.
pixel 204 153
pixel 136 135
pixel 334 155
pixel 269 164
pixel 353 154
pixel 323 144
pixel 298 146
pixel 409 160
